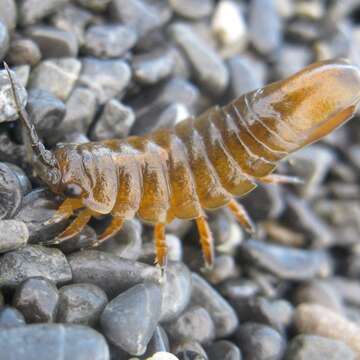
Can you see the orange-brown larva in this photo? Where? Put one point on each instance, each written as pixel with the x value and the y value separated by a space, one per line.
pixel 203 163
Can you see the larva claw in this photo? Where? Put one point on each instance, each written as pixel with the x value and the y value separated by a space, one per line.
pixel 242 216
pixel 281 179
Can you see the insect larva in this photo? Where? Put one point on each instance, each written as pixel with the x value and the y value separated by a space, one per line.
pixel 203 163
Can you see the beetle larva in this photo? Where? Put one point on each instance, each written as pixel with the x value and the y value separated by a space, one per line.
pixel 203 163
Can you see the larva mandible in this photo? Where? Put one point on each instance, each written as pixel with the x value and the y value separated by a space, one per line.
pixel 203 163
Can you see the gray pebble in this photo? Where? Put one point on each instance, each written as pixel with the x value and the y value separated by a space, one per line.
pixel 10 317
pixel 150 68
pixel 189 350
pixel 8 15
pixel 31 11
pixel 304 347
pixel 33 260
pixel 57 76
pixel 4 40
pixel 53 43
pixel 222 313
pixel 223 349
pixel 239 289
pixel 209 69
pixel 286 262
pixel 190 355
pixel 81 304
pixel 193 9
pixel 260 342
pixel 194 323
pixel 23 51
pixel 23 74
pixel 106 78
pixel 8 110
pixel 224 268
pixel 115 121
pixel 109 41
pixel 13 234
pixel 130 319
pixel 94 5
pixel 57 341
pixel 37 299
pixel 264 26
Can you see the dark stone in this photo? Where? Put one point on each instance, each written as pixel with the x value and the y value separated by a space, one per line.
pixel 130 319
pixel 37 299
pixel 23 51
pixel 224 350
pixel 10 317
pixel 190 355
pixel 13 235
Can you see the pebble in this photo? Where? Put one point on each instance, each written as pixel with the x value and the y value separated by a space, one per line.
pixel 8 110
pixel 33 260
pixel 81 304
pixel 223 349
pixel 24 181
pixel 239 289
pixel 109 41
pixel 13 235
pixel 285 262
pixel 61 341
pixel 115 121
pixel 31 11
pixel 265 28
pixel 53 43
pixel 4 40
pixel 189 350
pixel 190 355
pixel 8 15
pixel 94 5
pixel 23 51
pixel 163 356
pixel 304 347
pixel 260 342
pixel 37 298
pixel 58 76
pixel 10 317
pixel 195 323
pixel 106 78
pixel 223 315
pixel 192 9
pixel 209 69
pixel 224 268
pixel 318 320
pixel 23 74
pixel 159 343
pixel 130 319
pixel 152 67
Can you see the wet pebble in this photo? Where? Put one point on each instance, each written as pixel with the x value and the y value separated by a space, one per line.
pixel 130 319
pixel 10 317
pixel 23 51
pixel 13 234
pixel 37 298
pixel 304 347
pixel 222 313
pixel 209 70
pixel 109 41
pixel 318 320
pixel 194 323
pixel 4 40
pixel 192 9
pixel 61 341
pixel 106 78
pixel 81 304
pixel 260 342
pixel 53 43
pixel 287 263
pixel 223 349
pixel 8 14
pixel 33 260
pixel 57 76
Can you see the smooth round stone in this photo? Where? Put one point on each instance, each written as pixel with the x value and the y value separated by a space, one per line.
pixel 239 289
pixel 10 317
pixel 13 235
pixel 37 299
pixel 23 51
pixel 304 347
pixel 8 111
pixel 94 5
pixel 57 341
pixel 130 319
pixel 194 323
pixel 109 41
pixel 260 342
pixel 81 304
pixel 33 260
pixel 163 356
pixel 223 315
pixel 8 15
pixel 4 40
pixel 193 9
pixel 224 268
pixel 223 349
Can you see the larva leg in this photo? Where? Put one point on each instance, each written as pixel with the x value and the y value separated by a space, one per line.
pixel 74 228
pixel 280 179
pixel 111 230
pixel 206 241
pixel 65 210
pixel 160 245
pixel 241 215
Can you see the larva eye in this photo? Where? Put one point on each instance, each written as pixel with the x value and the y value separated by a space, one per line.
pixel 72 190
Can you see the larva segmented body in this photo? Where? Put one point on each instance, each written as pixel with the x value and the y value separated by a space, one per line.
pixel 202 163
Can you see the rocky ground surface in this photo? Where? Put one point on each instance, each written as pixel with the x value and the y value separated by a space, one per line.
pixel 99 69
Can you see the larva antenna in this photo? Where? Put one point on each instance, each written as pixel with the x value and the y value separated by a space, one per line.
pixel 45 160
